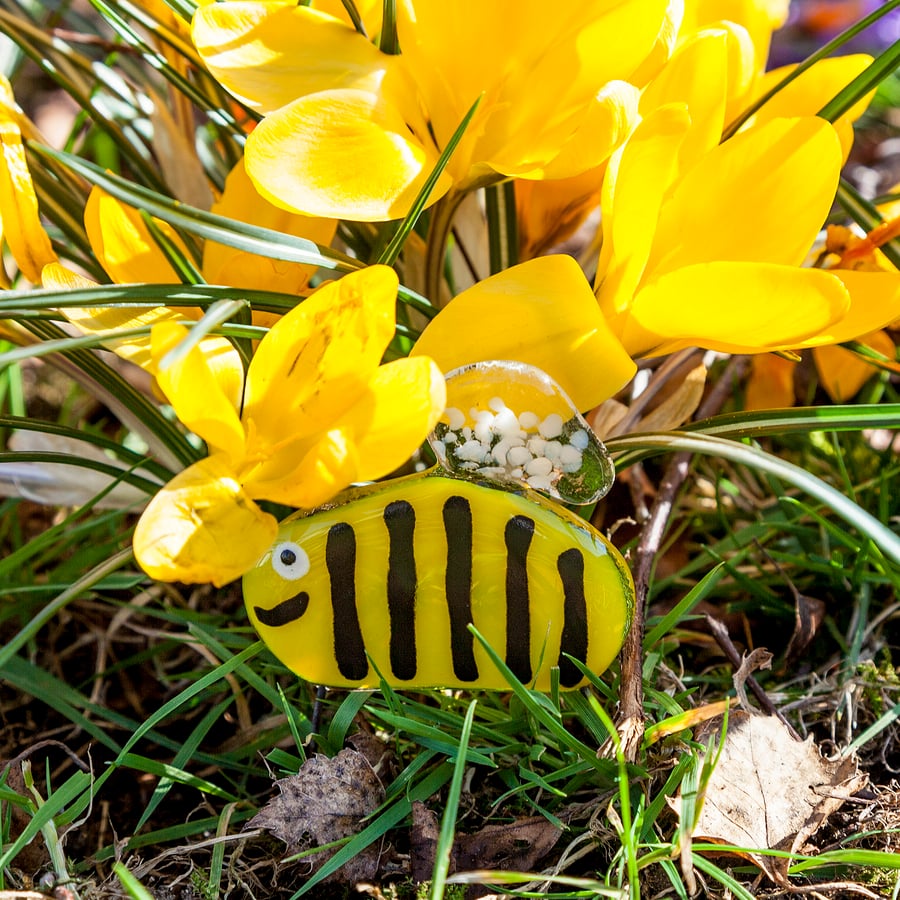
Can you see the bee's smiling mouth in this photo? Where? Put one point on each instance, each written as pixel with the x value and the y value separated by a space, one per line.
pixel 285 612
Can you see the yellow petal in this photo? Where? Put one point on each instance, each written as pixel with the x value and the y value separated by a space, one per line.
pixel 316 360
pixel 635 187
pixel 202 527
pixel 19 213
pixel 541 312
pixel 193 385
pixel 734 308
pixel 758 17
pixel 99 320
pixel 56 277
pixel 763 195
pixel 538 72
pixel 270 53
pixel 123 244
pixel 326 137
pixel 771 383
pixel 228 265
pixel 693 76
pixel 874 304
pixel 608 120
pixel 664 45
pixel 843 372
pixel 326 466
pixel 811 90
pixel 403 401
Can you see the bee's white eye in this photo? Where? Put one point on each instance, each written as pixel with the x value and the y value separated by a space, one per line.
pixel 289 560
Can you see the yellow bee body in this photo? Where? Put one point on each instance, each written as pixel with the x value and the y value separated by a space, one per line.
pixel 390 575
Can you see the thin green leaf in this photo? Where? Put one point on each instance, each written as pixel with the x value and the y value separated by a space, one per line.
pixel 880 68
pixel 131 457
pixel 448 822
pixel 168 780
pixel 118 393
pixel 551 723
pixel 684 606
pixel 387 40
pixel 880 724
pixel 834 44
pixel 800 419
pixel 392 251
pixel 185 268
pixel 17 641
pixel 130 884
pixel 231 233
pixel 75 786
pixel 219 312
pixel 172 773
pixel 354 16
pixel 675 441
pixel 502 223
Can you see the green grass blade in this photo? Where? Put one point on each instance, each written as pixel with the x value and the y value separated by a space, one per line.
pixel 553 724
pixel 15 643
pixel 132 887
pixel 74 787
pixel 503 235
pixel 146 417
pixel 681 609
pixel 835 44
pixel 392 251
pixel 448 822
pixel 867 80
pixel 880 724
pixel 867 524
pixel 185 754
pixel 801 419
pixel 387 40
pixel 231 233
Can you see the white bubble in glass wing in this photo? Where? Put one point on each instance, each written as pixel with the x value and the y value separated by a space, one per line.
pixel 290 560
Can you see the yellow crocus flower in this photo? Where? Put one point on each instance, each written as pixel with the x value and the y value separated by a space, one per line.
pixel 318 412
pixel 332 99
pixel 705 248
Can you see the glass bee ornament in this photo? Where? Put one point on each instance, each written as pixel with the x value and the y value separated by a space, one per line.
pixel 387 578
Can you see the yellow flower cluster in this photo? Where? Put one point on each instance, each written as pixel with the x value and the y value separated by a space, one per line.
pixel 621 104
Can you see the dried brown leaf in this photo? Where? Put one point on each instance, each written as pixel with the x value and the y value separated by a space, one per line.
pixel 760 658
pixel 423 842
pixel 325 802
pixel 768 788
pixel 679 406
pixel 516 846
pixel 809 613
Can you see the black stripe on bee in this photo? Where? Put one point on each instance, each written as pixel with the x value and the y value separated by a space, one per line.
pixel 400 519
pixel 340 559
pixel 518 535
pixel 458 586
pixel 574 639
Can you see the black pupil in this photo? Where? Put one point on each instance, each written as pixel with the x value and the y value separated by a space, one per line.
pixel 288 557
